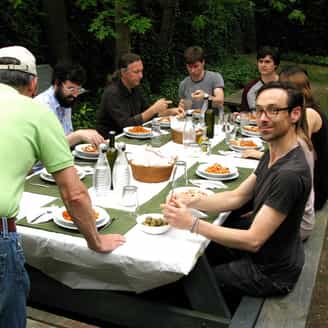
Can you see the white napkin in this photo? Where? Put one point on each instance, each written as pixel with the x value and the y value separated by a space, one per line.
pixel 42 215
pixel 208 184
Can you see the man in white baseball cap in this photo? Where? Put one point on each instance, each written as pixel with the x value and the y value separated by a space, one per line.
pixel 29 133
pixel 25 57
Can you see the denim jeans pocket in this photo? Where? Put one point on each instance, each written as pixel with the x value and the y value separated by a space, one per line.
pixel 3 267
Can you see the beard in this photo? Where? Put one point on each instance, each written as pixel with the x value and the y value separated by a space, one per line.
pixel 64 101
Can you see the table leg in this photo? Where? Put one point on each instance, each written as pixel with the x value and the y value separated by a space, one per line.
pixel 210 299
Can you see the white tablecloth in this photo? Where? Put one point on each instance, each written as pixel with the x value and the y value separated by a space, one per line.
pixel 142 263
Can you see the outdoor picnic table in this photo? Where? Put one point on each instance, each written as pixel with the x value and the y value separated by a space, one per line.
pixel 143 263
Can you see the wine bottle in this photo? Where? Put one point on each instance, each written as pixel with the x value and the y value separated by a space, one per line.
pixel 209 120
pixel 111 150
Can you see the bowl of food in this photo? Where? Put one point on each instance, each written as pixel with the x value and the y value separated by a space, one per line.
pixel 152 223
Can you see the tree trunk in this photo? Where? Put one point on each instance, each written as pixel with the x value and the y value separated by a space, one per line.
pixel 123 41
pixel 57 30
pixel 167 23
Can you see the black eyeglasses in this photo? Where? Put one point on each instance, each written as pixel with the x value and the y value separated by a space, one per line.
pixel 270 111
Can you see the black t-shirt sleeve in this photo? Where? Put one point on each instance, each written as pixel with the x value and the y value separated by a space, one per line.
pixel 284 191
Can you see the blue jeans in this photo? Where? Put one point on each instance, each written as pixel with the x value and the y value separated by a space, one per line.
pixel 14 282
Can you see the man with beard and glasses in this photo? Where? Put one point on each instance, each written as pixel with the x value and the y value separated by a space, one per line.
pixel 67 81
pixel 264 257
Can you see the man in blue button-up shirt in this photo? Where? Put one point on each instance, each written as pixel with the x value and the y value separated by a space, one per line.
pixel 67 81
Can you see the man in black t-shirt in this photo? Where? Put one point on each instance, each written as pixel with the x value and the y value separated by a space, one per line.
pixel 267 257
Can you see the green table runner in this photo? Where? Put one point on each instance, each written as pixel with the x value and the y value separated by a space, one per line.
pixel 122 221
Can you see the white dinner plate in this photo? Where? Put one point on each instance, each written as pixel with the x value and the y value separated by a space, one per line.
pixel 164 123
pixel 136 136
pixel 250 122
pixel 131 134
pixel 194 190
pixel 257 141
pixel 151 230
pixel 81 156
pixel 202 168
pixel 103 218
pixel 79 149
pixel 248 133
pixel 230 177
pixel 45 175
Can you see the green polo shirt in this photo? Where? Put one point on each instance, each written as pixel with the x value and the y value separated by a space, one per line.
pixel 28 133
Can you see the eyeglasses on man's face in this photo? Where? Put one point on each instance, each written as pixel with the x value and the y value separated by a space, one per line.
pixel 270 111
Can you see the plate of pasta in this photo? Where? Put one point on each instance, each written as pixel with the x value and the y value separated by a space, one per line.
pixel 64 220
pixel 217 170
pixel 137 131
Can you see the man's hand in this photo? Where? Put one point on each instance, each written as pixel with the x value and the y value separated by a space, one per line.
pixel 177 214
pixel 252 153
pixel 173 111
pixel 90 136
pixel 198 95
pixel 161 105
pixel 109 242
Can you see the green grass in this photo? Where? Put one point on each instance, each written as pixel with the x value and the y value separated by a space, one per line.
pixel 318 77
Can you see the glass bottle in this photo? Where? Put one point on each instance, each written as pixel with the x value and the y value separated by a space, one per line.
pixel 102 174
pixel 189 135
pixel 121 171
pixel 210 120
pixel 111 149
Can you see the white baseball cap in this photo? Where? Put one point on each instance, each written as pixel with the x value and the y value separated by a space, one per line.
pixel 26 58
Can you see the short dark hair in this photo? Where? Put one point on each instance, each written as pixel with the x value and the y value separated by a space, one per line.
pixel 294 95
pixel 126 59
pixel 16 79
pixel 295 98
pixel 68 72
pixel 269 51
pixel 194 54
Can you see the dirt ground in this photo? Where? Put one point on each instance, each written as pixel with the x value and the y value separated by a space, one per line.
pixel 318 316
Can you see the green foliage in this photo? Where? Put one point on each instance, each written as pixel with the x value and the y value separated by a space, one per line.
pixel 293 9
pixel 236 72
pixel 305 58
pixel 84 116
pixel 105 13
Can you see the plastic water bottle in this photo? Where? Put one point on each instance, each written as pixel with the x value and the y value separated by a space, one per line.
pixel 102 174
pixel 189 134
pixel 121 171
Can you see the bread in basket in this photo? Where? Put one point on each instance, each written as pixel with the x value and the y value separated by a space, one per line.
pixel 151 166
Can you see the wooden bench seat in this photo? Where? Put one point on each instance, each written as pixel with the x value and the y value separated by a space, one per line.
pixel 290 311
pixel 293 309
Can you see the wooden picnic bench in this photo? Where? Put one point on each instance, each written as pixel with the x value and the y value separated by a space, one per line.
pixel 290 311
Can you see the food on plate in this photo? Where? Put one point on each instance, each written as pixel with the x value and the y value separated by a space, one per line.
pixel 90 149
pixel 190 194
pixel 252 117
pixel 67 217
pixel 196 111
pixel 243 143
pixel 251 128
pixel 154 222
pixel 138 129
pixel 165 119
pixel 217 168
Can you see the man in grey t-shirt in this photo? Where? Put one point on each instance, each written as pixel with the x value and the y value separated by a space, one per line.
pixel 200 81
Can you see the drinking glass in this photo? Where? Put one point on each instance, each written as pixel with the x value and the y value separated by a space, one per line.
pixel 181 171
pixel 156 132
pixel 130 199
pixel 244 116
pixel 229 127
